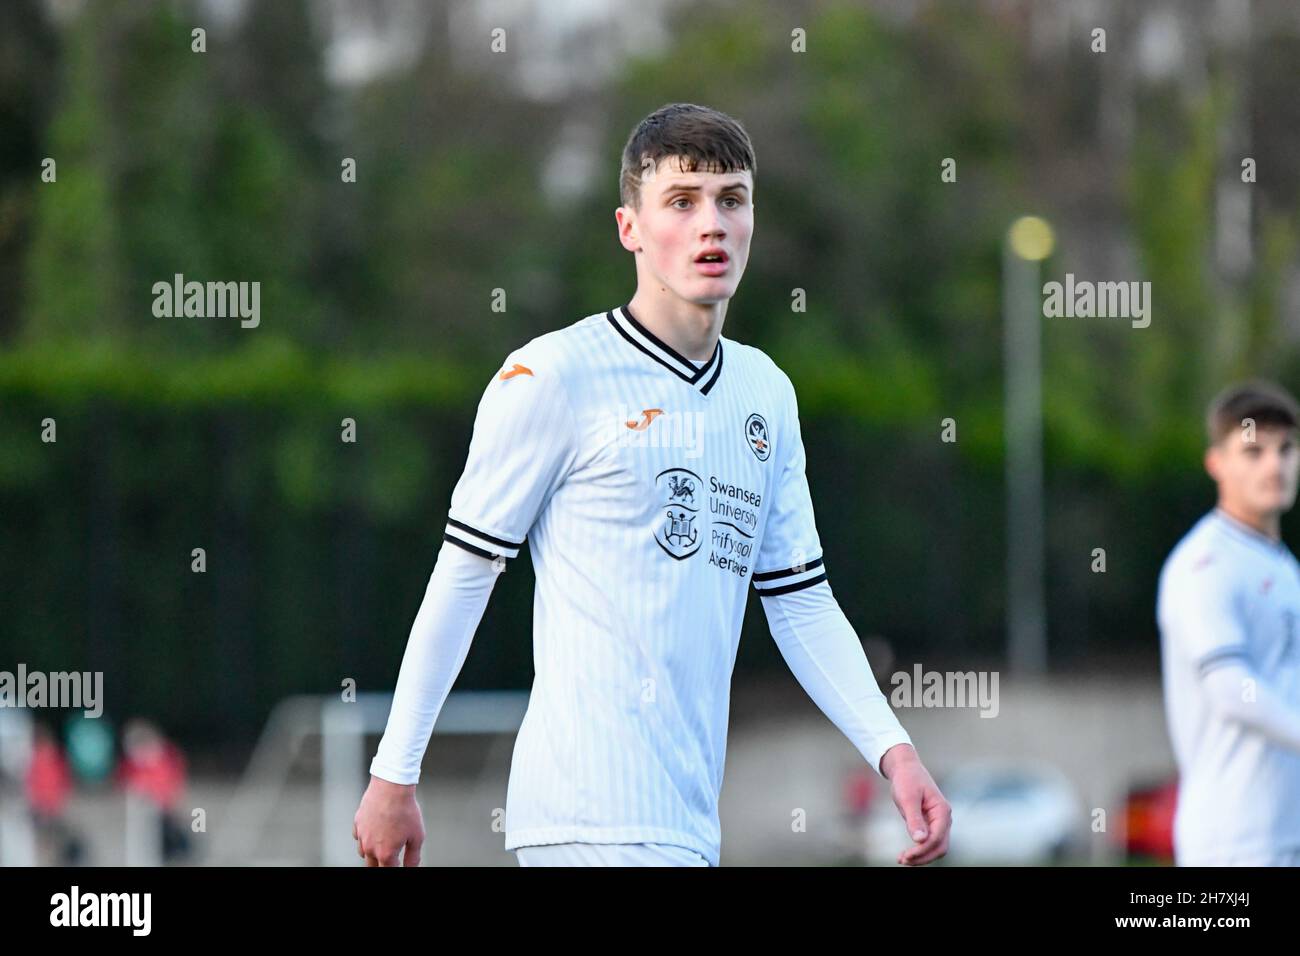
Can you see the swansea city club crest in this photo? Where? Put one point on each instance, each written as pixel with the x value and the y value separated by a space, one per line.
pixel 756 435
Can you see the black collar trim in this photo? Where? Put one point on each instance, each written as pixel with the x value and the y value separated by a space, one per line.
pixel 703 377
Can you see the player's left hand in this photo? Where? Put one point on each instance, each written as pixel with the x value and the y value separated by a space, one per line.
pixel 926 813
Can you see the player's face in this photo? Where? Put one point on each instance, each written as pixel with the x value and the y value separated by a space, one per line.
pixel 683 215
pixel 1258 476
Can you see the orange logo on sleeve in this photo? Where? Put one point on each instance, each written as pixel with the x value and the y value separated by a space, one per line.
pixel 516 370
pixel 649 414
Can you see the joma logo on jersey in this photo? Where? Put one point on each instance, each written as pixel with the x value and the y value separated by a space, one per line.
pixel 515 369
pixel 633 427
pixel 648 415
pixel 677 533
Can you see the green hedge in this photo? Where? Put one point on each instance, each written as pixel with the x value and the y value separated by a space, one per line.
pixel 318 550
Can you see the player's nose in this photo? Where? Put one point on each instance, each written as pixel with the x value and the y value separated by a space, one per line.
pixel 711 222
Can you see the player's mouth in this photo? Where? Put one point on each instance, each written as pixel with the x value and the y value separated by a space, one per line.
pixel 712 262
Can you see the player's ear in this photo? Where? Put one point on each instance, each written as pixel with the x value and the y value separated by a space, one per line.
pixel 1212 461
pixel 626 220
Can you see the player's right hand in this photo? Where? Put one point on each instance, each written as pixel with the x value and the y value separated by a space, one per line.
pixel 388 822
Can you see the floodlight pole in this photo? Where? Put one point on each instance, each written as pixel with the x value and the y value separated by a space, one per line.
pixel 1022 362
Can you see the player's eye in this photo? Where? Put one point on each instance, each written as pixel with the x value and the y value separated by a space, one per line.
pixel 680 199
pixel 733 199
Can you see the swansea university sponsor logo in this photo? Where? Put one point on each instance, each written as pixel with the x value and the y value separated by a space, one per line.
pixel 734 512
pixel 732 519
pixel 757 436
pixel 734 509
pixel 678 534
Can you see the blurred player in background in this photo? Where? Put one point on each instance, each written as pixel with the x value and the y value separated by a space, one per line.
pixel 49 786
pixel 155 769
pixel 656 468
pixel 1228 609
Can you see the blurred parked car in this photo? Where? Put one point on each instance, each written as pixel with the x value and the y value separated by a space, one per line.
pixel 1149 822
pixel 1002 813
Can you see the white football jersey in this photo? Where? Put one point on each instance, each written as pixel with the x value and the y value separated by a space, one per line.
pixel 1229 593
pixel 653 491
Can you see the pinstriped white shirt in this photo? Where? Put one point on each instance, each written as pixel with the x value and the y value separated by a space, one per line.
pixel 1228 593
pixel 654 492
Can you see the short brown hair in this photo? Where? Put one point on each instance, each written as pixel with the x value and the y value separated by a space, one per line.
pixel 704 137
pixel 1264 402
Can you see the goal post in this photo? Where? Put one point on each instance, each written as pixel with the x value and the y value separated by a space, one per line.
pixel 345 767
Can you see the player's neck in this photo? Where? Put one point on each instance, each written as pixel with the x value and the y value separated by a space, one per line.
pixel 1269 523
pixel 689 328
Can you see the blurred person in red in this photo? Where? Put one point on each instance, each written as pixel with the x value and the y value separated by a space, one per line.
pixel 48 785
pixel 154 768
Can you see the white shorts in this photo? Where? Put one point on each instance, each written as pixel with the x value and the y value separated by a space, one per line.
pixel 608 854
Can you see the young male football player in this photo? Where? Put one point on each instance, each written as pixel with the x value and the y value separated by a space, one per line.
pixel 656 469
pixel 1228 607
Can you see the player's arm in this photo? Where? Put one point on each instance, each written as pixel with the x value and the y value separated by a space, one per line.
pixel 823 652
pixel 522 448
pixel 454 601
pixel 825 655
pixel 388 821
pixel 1204 615
pixel 1238 692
